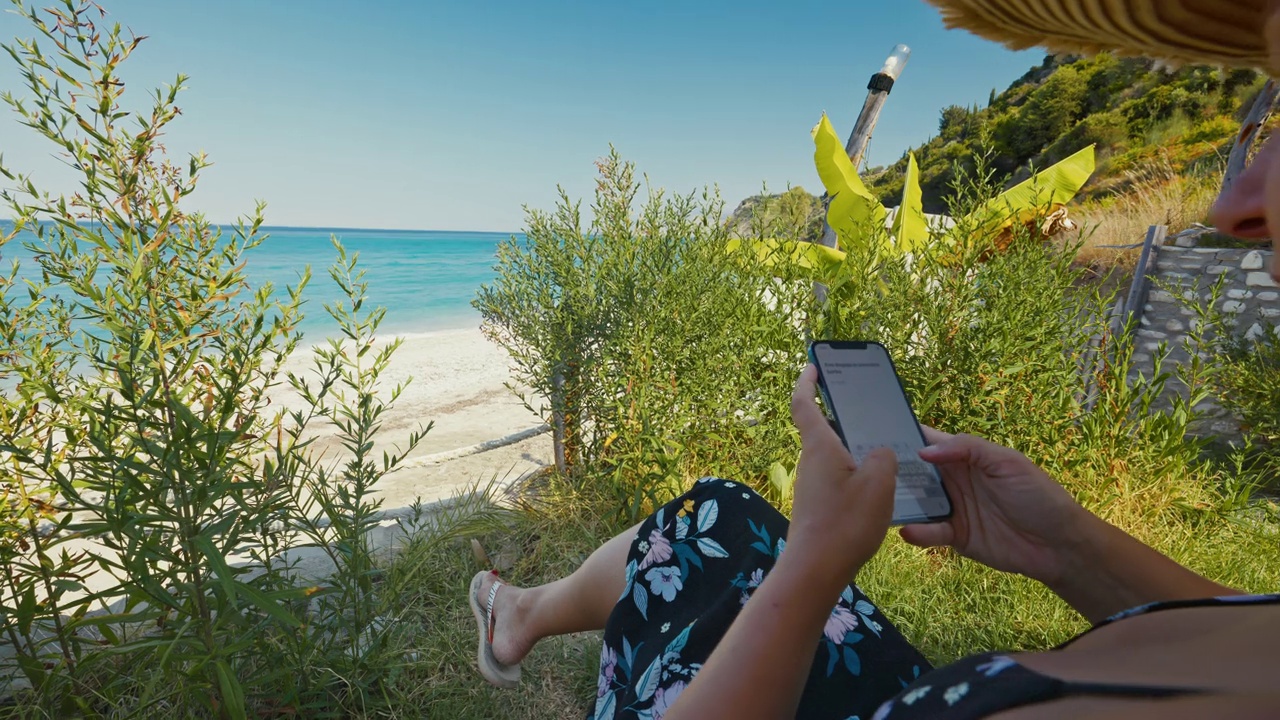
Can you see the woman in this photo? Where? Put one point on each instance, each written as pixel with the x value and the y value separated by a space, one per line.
pixel 682 641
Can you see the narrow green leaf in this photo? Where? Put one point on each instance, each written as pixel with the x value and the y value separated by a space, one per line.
pixel 219 564
pixel 267 605
pixel 232 693
pixel 809 259
pixel 780 478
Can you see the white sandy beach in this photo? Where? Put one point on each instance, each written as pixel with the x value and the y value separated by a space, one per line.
pixel 457 383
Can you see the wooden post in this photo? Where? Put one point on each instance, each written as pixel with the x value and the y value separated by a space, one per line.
pixel 1253 122
pixel 1124 315
pixel 866 124
pixel 877 92
pixel 1137 298
pixel 557 422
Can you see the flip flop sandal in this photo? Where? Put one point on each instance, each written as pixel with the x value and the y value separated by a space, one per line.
pixel 504 676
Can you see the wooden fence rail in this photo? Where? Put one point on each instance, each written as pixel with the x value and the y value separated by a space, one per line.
pixel 1123 317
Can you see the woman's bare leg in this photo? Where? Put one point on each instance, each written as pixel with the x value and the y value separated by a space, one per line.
pixel 577 603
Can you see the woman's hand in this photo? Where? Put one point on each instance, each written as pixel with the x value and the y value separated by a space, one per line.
pixel 840 512
pixel 1006 512
pixel 839 518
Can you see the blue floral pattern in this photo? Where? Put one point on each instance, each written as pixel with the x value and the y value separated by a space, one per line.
pixel 692 567
pixel 698 560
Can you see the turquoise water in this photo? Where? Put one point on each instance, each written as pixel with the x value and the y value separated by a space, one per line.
pixel 425 279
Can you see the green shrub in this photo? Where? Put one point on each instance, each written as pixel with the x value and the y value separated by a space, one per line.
pixel 151 495
pixel 1105 129
pixel 1248 383
pixel 793 211
pixel 1051 109
pixel 662 353
pixel 998 344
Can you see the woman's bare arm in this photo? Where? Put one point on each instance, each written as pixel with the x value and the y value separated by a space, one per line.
pixel 759 668
pixel 839 516
pixel 1010 515
pixel 1107 570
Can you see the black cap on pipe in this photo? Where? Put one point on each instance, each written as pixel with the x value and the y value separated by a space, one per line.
pixel 880 83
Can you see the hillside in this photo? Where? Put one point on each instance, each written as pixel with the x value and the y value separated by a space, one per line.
pixel 1162 138
pixel 1136 113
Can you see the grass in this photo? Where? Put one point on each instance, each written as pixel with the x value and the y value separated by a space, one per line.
pixel 548 539
pixel 947 606
pixel 950 607
pixel 1134 470
pixel 664 403
pixel 1154 194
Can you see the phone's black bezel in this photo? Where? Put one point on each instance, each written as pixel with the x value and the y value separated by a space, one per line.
pixel 831 408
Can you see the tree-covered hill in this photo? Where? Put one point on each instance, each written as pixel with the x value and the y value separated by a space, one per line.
pixel 1135 111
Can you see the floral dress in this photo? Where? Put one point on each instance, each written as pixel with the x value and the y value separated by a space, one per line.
pixel 693 565
pixel 696 562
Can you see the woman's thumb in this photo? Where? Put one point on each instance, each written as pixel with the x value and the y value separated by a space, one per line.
pixel 879 473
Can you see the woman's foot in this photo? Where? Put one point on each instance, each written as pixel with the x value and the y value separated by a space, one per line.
pixel 511 639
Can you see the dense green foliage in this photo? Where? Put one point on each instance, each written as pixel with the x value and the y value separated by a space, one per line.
pixel 1249 386
pixel 992 345
pixel 657 349
pixel 1133 110
pixel 151 497
pixel 153 503
pixel 997 346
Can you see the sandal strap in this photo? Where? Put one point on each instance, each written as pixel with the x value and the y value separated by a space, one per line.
pixel 488 613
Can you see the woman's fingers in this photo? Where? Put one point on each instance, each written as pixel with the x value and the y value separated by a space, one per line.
pixel 931 535
pixel 880 468
pixel 805 412
pixel 951 449
pixel 878 477
pixel 933 436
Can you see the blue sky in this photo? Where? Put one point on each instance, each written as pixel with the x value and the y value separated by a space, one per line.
pixel 454 115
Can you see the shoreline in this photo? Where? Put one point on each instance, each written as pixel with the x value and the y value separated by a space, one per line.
pixel 467 323
pixel 479 430
pixel 383 338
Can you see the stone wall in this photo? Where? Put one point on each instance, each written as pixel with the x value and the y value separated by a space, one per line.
pixel 1248 295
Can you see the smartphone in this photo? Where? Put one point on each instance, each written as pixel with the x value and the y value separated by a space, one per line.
pixel 865 398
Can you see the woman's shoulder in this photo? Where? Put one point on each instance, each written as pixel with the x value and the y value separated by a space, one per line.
pixel 1221 600
pixel 994 682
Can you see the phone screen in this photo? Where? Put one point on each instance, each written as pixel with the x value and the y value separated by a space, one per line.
pixel 866 399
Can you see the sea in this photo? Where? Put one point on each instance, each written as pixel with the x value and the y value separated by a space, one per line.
pixel 425 279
